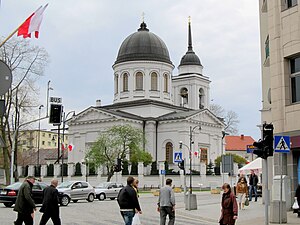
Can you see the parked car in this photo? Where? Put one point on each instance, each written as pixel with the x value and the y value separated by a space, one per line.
pixel 8 195
pixel 75 190
pixel 108 190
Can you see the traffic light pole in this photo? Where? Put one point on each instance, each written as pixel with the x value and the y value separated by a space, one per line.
pixel 266 191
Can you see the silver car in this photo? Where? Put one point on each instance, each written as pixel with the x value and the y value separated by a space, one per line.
pixel 75 190
pixel 108 190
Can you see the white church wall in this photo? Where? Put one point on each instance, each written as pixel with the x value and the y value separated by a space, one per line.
pixel 148 111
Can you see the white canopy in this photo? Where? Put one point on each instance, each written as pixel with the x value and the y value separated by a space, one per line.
pixel 255 165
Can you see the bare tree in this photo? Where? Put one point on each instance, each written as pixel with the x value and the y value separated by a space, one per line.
pixel 230 118
pixel 27 63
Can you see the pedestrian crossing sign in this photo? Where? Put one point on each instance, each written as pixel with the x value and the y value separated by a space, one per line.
pixel 177 157
pixel 282 144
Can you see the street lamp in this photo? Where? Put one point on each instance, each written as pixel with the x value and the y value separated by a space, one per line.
pixel 39 133
pixel 47 102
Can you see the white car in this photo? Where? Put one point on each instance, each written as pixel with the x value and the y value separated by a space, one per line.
pixel 108 190
pixel 75 190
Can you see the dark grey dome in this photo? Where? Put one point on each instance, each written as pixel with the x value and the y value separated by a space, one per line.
pixel 143 45
pixel 190 58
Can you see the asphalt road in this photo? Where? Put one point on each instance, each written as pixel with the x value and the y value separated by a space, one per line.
pixel 107 212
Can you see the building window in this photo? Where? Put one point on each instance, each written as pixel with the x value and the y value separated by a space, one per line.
pixel 153 81
pixel 295 79
pixel 166 83
pixel 169 153
pixel 184 96
pixel 24 142
pixel 43 134
pixel 43 142
pixel 286 4
pixel 116 83
pixel 125 82
pixel 49 135
pixel 203 155
pixel 49 143
pixel 267 50
pixel 201 98
pixel 139 80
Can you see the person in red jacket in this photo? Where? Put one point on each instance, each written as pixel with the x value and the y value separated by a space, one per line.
pixel 229 213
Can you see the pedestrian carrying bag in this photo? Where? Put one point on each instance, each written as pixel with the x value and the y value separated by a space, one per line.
pixel 295 205
pixel 246 202
pixel 136 220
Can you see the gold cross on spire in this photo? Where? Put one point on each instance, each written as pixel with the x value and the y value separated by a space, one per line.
pixel 189 19
pixel 143 17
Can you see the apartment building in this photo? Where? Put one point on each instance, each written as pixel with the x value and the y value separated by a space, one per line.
pixel 280 66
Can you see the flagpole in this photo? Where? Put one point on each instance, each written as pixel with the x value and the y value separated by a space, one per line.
pixel 6 39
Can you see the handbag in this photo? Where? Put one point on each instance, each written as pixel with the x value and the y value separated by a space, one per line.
pixel 136 220
pixel 246 202
pixel 295 205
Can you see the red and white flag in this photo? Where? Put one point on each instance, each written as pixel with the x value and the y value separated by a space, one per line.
pixel 32 23
pixel 70 147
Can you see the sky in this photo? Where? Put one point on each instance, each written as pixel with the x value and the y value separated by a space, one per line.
pixel 83 39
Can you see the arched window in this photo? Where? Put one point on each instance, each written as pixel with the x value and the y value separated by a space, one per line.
pixel 169 153
pixel 201 98
pixel 125 82
pixel 116 83
pixel 166 83
pixel 139 80
pixel 184 96
pixel 153 81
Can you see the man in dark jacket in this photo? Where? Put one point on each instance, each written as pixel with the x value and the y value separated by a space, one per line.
pixel 253 180
pixel 50 206
pixel 128 202
pixel 24 204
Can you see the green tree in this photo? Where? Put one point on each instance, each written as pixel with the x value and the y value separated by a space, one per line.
pixel 118 142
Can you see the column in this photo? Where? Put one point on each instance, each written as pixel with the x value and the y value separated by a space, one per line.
pixel 20 170
pixel 141 173
pixel 30 170
pixel 83 171
pixel 202 175
pixel 70 170
pixel 43 171
pixel 99 173
pixel 56 170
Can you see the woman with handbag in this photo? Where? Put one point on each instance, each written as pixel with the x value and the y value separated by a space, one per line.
pixel 229 212
pixel 242 192
pixel 297 198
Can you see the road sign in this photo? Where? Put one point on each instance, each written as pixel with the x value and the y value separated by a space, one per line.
pixel 56 100
pixel 177 157
pixel 162 172
pixel 251 148
pixel 282 144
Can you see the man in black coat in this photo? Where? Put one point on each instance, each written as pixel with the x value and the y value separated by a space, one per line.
pixel 24 204
pixel 253 181
pixel 128 202
pixel 50 206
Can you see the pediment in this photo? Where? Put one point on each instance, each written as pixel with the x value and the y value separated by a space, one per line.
pixel 93 114
pixel 208 117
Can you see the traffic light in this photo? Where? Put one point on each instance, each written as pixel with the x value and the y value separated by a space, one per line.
pixel 265 146
pixel 55 114
pixel 268 138
pixel 181 165
pixel 118 166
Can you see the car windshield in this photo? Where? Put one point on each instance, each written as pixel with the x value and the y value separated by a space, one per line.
pixel 65 184
pixel 14 186
pixel 103 185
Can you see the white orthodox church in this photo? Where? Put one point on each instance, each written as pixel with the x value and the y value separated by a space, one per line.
pixel 168 108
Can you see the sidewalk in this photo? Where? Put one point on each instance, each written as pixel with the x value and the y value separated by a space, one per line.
pixel 209 210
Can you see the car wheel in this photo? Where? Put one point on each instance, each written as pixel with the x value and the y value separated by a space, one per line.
pixel 75 201
pixel 90 198
pixel 8 204
pixel 112 198
pixel 65 200
pixel 102 197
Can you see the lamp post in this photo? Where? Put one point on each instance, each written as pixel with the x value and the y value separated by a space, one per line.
pixel 38 139
pixel 65 117
pixel 47 102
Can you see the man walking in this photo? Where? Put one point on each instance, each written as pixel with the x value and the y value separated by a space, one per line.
pixel 166 203
pixel 24 204
pixel 253 180
pixel 128 202
pixel 50 206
